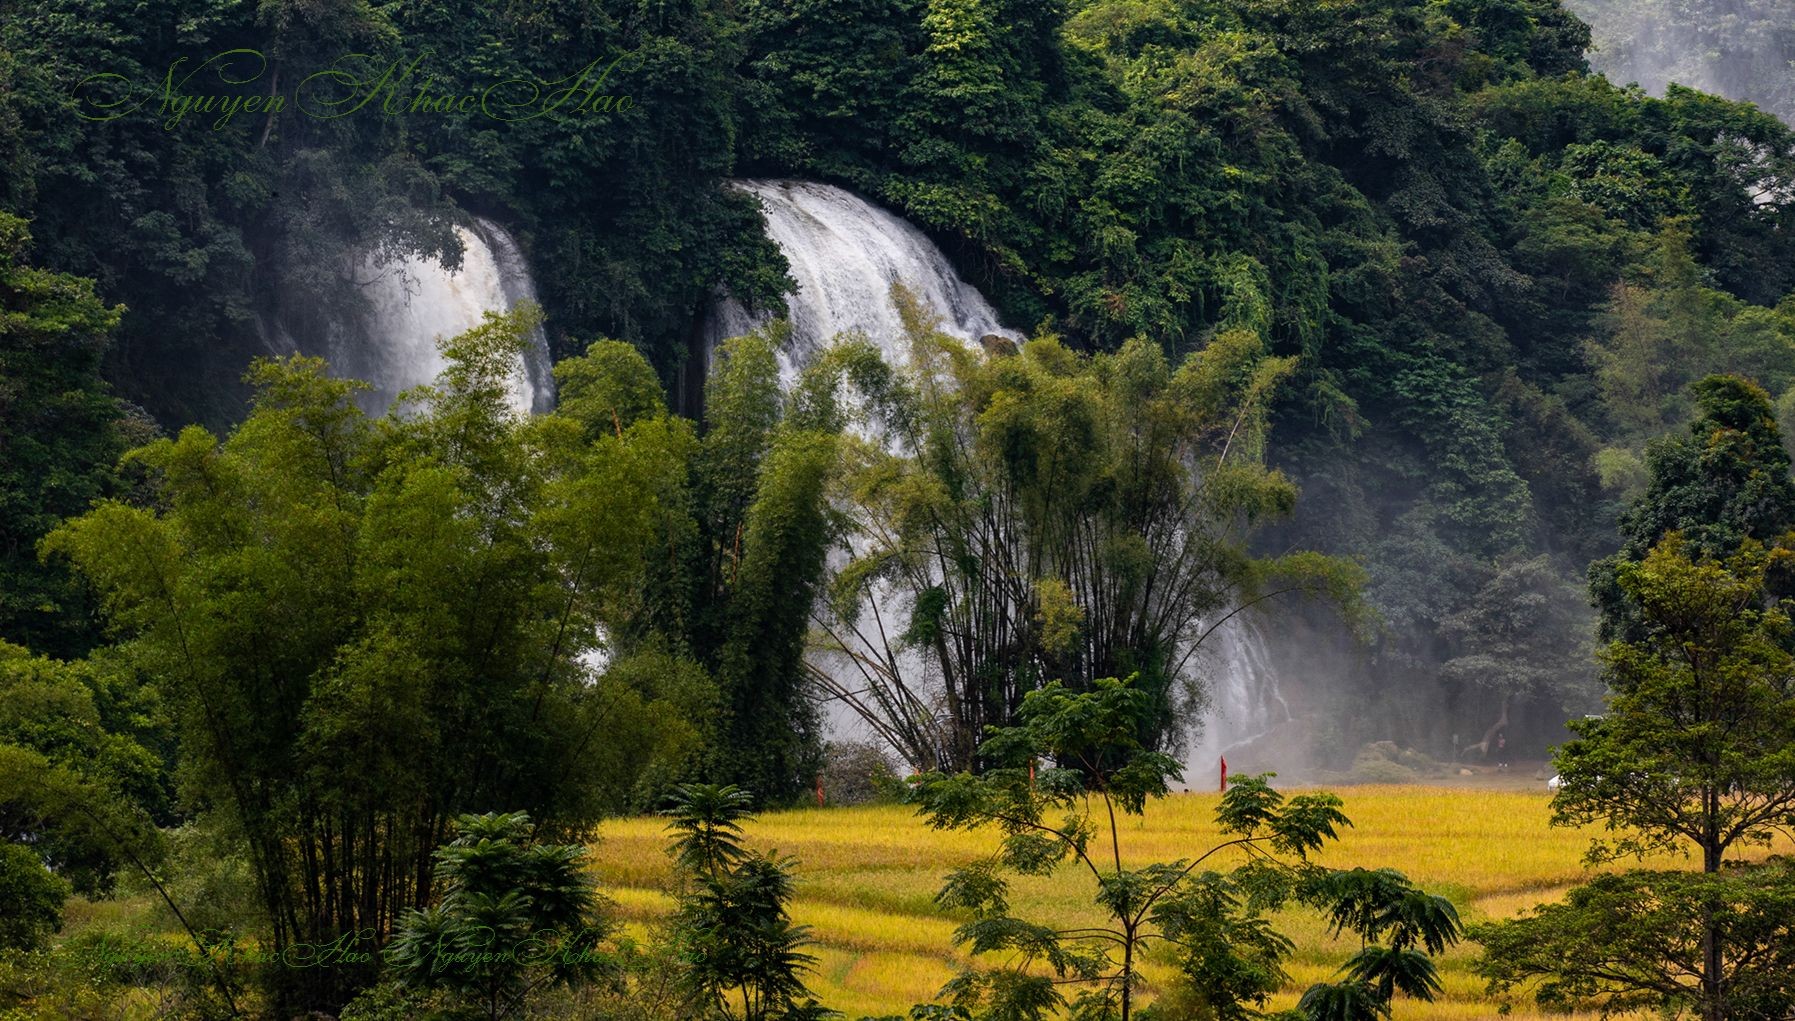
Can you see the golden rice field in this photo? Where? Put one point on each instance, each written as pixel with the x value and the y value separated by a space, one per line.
pixel 867 877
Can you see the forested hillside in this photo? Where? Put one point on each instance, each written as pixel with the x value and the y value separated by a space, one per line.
pixel 1498 269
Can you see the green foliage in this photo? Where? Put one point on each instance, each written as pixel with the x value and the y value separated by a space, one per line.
pixel 60 432
pixel 608 388
pixel 205 232
pixel 33 897
pixel 1698 742
pixel 369 628
pixel 1523 633
pixel 1666 331
pixel 1640 940
pixel 515 914
pixel 1724 482
pixel 1050 514
pixel 83 783
pixel 706 822
pixel 745 528
pixel 743 959
pixel 1695 753
pixel 1064 779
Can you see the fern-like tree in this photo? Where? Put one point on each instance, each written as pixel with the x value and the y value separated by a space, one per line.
pixel 1063 779
pixel 743 956
pixel 516 916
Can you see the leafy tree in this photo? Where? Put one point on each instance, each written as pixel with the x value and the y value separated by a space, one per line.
pixel 1667 329
pixel 1095 771
pixel 1695 753
pixel 1518 639
pixel 515 916
pixel 1696 742
pixel 743 958
pixel 33 896
pixel 1640 940
pixel 743 524
pixel 1723 482
pixel 1047 514
pixel 369 628
pixel 83 753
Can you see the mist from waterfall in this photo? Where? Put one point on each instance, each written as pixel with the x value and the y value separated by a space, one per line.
pixel 845 254
pixel 398 310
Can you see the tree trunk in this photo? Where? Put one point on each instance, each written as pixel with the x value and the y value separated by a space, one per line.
pixel 1127 976
pixel 1712 1007
pixel 1483 746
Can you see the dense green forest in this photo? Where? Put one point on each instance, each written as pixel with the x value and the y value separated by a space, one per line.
pixel 1498 270
pixel 1394 308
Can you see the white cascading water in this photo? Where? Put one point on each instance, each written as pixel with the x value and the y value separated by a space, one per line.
pixel 845 254
pixel 412 302
pixel 1246 703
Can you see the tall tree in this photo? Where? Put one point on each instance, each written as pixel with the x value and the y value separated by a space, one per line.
pixel 1026 517
pixel 744 531
pixel 1524 636
pixel 1724 481
pixel 372 627
pixel 1695 753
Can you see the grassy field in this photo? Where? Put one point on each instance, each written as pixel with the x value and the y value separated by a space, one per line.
pixel 867 876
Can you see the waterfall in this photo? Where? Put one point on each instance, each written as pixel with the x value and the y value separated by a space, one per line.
pixel 1246 703
pixel 399 309
pixel 845 253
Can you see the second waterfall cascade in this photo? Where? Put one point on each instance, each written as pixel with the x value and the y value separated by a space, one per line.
pixel 845 254
pixel 401 309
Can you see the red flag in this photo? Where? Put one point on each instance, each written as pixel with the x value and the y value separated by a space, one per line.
pixel 1224 774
